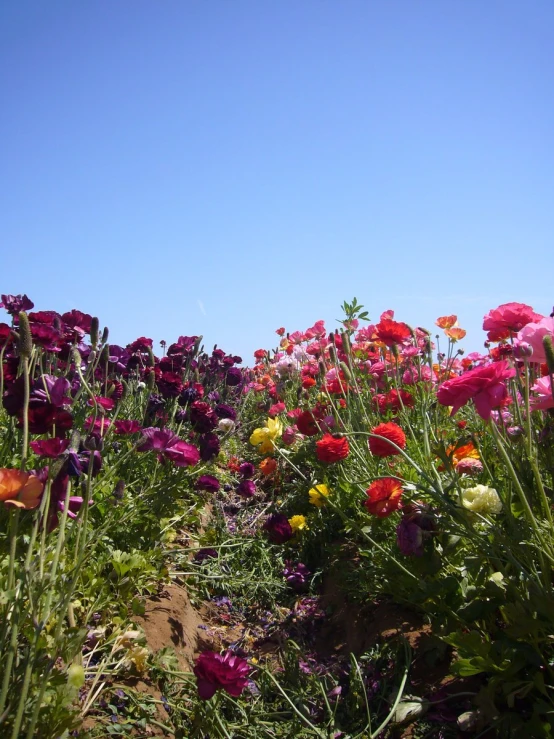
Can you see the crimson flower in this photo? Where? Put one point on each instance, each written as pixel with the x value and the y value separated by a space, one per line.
pixel 14 304
pixel 52 448
pixel 386 432
pixel 383 497
pixel 332 448
pixel 127 427
pixel 307 424
pixel 485 385
pixel 168 445
pixel 392 332
pixel 278 528
pixel 209 483
pixel 220 671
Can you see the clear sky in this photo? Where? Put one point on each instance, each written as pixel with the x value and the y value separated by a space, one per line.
pixel 226 167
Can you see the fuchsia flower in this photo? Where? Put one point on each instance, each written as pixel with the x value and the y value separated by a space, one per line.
pixel 220 671
pixel 52 448
pixel 127 427
pixel 508 319
pixel 13 304
pixel 168 445
pixel 533 334
pixel 485 385
pixel 106 403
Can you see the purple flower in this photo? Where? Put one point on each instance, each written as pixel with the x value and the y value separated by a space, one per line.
pixel 209 483
pixel 16 303
pixel 246 489
pixel 204 554
pixel 202 417
pixel 226 671
pixel 127 427
pixel 233 377
pixel 278 528
pixel 52 448
pixel 168 445
pixel 225 411
pixel 409 538
pixel 247 470
pixel 209 446
pixel 296 574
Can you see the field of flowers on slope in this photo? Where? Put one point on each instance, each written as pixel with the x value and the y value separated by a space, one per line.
pixel 350 481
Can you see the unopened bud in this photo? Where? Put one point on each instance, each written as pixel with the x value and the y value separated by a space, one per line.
pixel 346 369
pixel 94 328
pixel 25 336
pixel 105 334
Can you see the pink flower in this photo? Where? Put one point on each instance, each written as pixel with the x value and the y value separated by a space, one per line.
pixel 168 445
pixel 543 388
pixel 485 385
pixel 226 671
pixel 533 334
pixel 508 319
pixel 52 448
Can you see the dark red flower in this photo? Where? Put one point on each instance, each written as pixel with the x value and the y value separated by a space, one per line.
pixel 220 671
pixel 16 303
pixel 386 432
pixel 278 528
pixel 209 446
pixel 383 497
pixel 44 417
pixel 209 483
pixel 394 400
pixel 78 321
pixel 332 448
pixel 142 344
pixel 127 427
pixel 307 424
pixel 246 489
pixel 202 417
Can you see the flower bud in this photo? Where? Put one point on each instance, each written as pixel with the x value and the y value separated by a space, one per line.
pixel 522 350
pixel 25 337
pixel 94 328
pixel 549 352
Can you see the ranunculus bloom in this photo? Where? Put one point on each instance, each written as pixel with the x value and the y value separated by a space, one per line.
pixel 263 438
pixel 469 466
pixel 481 499
pixel 209 483
pixel 226 671
pixel 307 424
pixel 247 470
pixel 127 427
pixel 543 399
pixel 318 494
pixel 383 497
pixel 386 432
pixel 209 446
pixel 19 489
pixel 507 319
pixel 533 335
pixel 409 538
pixel 246 489
pixel 267 466
pixel 485 385
pixel 52 448
pixel 168 444
pixel 298 523
pixel 392 332
pixel 16 303
pixel 278 528
pixel 332 448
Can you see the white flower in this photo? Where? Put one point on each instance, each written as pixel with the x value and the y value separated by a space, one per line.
pixel 226 424
pixel 481 499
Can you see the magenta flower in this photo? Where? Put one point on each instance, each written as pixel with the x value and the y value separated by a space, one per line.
pixel 220 671
pixel 168 445
pixel 16 303
pixel 246 489
pixel 485 385
pixel 127 427
pixel 106 403
pixel 52 448
pixel 209 483
pixel 278 528
pixel 543 399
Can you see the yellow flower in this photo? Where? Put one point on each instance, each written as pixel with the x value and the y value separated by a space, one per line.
pixel 298 523
pixel 264 437
pixel 481 499
pixel 318 494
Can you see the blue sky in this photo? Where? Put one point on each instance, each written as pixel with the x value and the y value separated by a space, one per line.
pixel 228 167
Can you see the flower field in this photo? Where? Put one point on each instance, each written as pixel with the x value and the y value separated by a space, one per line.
pixel 350 538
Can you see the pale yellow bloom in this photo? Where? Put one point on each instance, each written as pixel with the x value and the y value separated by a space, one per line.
pixel 298 523
pixel 138 657
pixel 481 499
pixel 318 494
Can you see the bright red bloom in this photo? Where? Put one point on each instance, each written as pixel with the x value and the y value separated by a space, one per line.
pixel 280 331
pixel 383 497
pixel 332 448
pixel 386 432
pixel 392 332
pixel 214 671
pixel 508 318
pixel 485 385
pixel 394 400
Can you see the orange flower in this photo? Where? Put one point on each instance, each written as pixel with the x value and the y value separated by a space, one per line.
pixel 456 453
pixel 19 489
pixel 446 321
pixel 383 497
pixel 455 333
pixel 267 466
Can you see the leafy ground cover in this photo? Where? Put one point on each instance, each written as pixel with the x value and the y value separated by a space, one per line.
pixel 350 538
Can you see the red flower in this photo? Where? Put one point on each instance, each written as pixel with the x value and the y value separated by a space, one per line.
pixel 383 497
pixel 226 671
pixel 306 424
pixel 484 384
pixel 127 427
pixel 392 332
pixel 393 400
pixel 508 318
pixel 332 448
pixel 387 432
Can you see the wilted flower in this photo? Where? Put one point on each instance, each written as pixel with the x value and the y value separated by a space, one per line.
pixel 220 671
pixel 481 499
